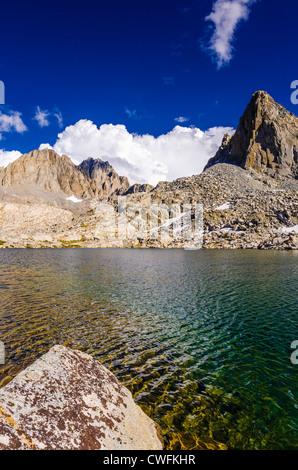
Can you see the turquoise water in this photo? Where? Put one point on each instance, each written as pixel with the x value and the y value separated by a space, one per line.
pixel 201 338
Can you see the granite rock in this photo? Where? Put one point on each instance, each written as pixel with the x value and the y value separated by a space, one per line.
pixel 266 139
pixel 68 400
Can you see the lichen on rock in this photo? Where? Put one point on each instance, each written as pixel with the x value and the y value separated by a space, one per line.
pixel 68 400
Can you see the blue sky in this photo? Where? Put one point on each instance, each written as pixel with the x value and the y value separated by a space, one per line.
pixel 146 65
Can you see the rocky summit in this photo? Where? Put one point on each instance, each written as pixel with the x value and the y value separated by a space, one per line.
pixel 266 139
pixel 247 195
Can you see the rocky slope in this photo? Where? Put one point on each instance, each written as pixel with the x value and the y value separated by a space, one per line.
pixel 266 139
pixel 242 209
pixel 139 188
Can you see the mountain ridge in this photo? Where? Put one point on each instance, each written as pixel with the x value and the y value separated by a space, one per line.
pixel 45 169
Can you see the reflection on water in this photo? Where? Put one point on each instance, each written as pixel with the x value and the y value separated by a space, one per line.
pixel 202 339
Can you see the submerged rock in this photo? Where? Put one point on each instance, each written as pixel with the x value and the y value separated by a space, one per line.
pixel 68 400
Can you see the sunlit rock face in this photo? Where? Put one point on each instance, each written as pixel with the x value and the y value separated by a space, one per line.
pixel 46 170
pixel 68 400
pixel 266 139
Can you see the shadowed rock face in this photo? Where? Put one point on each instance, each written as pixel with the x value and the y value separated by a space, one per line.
pixel 139 188
pixel 266 139
pixel 45 169
pixel 67 400
pixel 104 179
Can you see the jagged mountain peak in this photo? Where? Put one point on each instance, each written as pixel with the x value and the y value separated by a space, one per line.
pixel 94 164
pixel 266 139
pixel 105 181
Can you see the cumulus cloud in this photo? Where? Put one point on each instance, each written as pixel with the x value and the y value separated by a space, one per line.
pixel 184 151
pixel 7 157
pixel 42 116
pixel 11 122
pixel 225 16
pixel 45 146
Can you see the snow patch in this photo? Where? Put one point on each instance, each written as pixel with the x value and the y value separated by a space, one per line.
pixel 73 199
pixel 224 207
pixel 290 229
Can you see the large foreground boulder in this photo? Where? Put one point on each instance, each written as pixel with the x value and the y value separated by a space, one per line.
pixel 68 400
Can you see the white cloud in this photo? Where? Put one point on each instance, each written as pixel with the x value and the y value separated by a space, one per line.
pixel 7 157
pixel 184 151
pixel 11 122
pixel 45 146
pixel 42 116
pixel 181 119
pixel 58 115
pixel 225 16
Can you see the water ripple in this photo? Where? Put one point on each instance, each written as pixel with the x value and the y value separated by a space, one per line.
pixel 202 339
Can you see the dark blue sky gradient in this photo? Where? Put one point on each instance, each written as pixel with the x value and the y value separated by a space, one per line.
pixel 94 59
